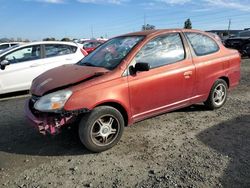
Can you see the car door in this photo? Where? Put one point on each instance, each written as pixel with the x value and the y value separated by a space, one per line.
pixel 24 65
pixel 169 82
pixel 59 54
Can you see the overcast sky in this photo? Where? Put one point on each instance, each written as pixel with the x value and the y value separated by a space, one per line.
pixel 37 19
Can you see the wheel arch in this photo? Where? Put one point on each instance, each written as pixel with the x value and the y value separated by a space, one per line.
pixel 119 107
pixel 226 79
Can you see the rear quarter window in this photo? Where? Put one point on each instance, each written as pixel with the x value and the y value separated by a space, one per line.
pixel 202 44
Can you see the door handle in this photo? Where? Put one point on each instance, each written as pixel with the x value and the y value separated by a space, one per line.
pixel 188 74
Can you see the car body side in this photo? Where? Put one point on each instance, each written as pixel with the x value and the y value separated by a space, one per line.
pixel 18 76
pixel 115 85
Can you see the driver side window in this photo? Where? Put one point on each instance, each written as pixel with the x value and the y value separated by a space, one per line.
pixel 25 54
pixel 161 51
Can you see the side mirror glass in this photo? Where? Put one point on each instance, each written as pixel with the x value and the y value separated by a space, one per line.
pixel 142 67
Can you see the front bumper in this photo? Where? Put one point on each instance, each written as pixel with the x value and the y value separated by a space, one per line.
pixel 46 123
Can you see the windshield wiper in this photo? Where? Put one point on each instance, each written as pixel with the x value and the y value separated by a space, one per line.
pixel 91 65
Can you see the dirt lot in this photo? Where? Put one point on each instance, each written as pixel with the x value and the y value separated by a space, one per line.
pixel 191 147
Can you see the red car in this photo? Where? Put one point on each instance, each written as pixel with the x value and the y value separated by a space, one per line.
pixel 130 78
pixel 90 45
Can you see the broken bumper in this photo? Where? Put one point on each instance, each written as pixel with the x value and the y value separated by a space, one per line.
pixel 46 123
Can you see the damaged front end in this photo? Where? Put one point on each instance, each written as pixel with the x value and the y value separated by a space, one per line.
pixel 49 122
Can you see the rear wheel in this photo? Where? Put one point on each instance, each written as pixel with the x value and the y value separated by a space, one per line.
pixel 101 129
pixel 218 95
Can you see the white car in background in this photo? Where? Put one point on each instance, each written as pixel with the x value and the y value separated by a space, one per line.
pixel 21 64
pixel 6 45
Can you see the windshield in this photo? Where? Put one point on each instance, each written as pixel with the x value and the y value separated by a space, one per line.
pixel 244 34
pixel 110 54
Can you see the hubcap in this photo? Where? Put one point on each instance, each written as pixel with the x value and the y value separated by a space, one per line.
pixel 219 94
pixel 105 130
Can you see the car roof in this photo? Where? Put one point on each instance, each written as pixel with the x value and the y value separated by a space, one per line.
pixel 49 42
pixel 37 43
pixel 160 31
pixel 10 43
pixel 93 40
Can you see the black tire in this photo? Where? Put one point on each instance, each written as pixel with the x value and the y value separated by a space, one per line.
pixel 246 50
pixel 213 101
pixel 101 118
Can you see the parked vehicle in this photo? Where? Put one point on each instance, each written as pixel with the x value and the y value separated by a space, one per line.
pixel 130 78
pixel 6 45
pixel 240 43
pixel 91 45
pixel 21 64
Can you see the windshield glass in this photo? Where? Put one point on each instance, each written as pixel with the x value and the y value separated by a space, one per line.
pixel 244 34
pixel 110 54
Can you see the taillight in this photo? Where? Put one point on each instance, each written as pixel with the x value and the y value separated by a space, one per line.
pixel 84 52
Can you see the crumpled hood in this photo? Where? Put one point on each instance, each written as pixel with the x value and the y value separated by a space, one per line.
pixel 64 76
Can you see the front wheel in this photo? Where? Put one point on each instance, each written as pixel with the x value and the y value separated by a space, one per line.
pixel 246 50
pixel 101 129
pixel 218 95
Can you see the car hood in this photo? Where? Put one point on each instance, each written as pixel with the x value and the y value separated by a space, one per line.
pixel 64 76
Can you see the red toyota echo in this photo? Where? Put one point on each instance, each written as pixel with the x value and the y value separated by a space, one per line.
pixel 130 78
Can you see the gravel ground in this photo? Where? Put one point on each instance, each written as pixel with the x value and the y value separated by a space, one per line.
pixel 191 147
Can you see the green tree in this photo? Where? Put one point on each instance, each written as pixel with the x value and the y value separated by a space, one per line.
pixel 66 39
pixel 26 40
pixel 49 39
pixel 188 24
pixel 148 27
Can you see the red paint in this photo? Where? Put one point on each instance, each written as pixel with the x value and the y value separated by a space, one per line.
pixel 148 93
pixel 63 76
pixel 90 45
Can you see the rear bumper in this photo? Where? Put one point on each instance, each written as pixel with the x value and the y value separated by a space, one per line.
pixel 44 123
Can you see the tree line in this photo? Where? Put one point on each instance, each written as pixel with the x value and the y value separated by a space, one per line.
pixel 187 25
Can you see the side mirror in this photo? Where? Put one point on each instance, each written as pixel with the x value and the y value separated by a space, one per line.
pixel 139 67
pixel 142 67
pixel 3 64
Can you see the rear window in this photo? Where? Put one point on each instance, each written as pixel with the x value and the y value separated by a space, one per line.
pixel 202 44
pixel 52 50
